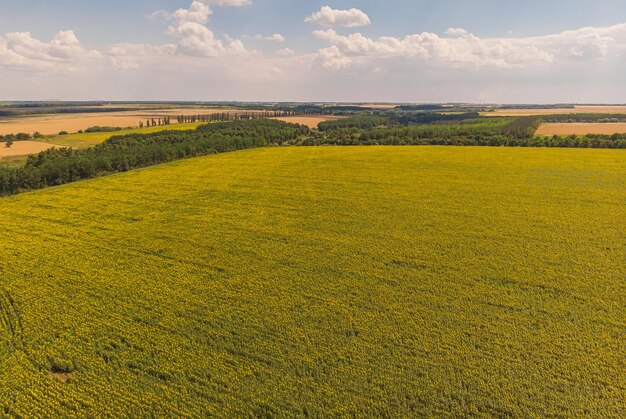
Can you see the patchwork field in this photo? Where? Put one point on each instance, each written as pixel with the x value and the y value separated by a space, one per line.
pixel 310 121
pixel 558 111
pixel 328 281
pixel 53 124
pixel 574 128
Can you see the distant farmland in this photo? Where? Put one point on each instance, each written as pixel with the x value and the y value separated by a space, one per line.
pixel 573 128
pixel 558 111
pixel 72 122
pixel 324 282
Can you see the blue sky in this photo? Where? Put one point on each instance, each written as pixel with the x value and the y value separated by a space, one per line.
pixel 391 50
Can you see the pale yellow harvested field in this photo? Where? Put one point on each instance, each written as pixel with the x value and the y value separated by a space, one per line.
pixel 557 111
pixel 23 148
pixel 581 128
pixel 52 124
pixel 309 121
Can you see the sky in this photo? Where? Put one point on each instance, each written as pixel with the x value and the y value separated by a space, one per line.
pixel 417 51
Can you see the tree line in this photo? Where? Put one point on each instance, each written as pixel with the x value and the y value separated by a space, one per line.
pixel 585 117
pixel 483 131
pixel 237 115
pixel 395 118
pixel 123 153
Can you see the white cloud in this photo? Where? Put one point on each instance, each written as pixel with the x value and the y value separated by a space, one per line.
pixel 233 3
pixel 460 48
pixel 197 13
pixel 194 38
pixel 331 17
pixel 274 37
pixel 285 52
pixel 332 58
pixel 20 49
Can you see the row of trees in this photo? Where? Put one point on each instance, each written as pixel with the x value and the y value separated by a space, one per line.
pixel 20 136
pixel 396 118
pixel 496 140
pixel 361 122
pixel 237 115
pixel 122 153
pixel 418 118
pixel 156 122
pixel 585 117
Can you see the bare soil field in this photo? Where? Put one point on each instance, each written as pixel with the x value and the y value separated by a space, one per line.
pixel 53 124
pixel 310 121
pixel 557 111
pixel 22 148
pixel 581 128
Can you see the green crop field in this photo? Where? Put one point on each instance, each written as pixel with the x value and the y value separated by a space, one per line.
pixel 326 281
pixel 13 161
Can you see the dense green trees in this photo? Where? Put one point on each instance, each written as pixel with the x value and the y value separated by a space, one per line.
pixel 122 153
pixel 393 118
pixel 20 136
pixel 490 131
pixel 102 129
pixel 417 118
pixel 585 117
pixel 521 128
pixel 357 121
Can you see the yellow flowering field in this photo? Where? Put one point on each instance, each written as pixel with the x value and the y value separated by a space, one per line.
pixel 321 281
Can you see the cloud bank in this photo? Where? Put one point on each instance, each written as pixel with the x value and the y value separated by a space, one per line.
pixel 338 63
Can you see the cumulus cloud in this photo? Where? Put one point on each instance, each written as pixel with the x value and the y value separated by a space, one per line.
pixel 460 48
pixel 332 58
pixel 20 49
pixel 274 37
pixel 195 38
pixel 197 13
pixel 328 16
